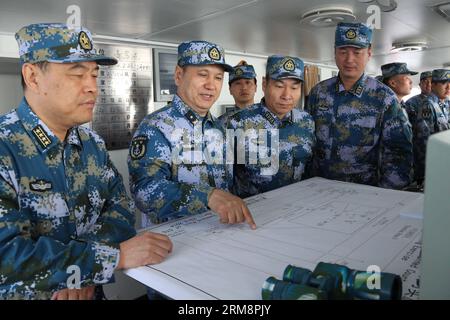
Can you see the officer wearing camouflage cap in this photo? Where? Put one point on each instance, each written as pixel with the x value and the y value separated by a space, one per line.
pixel 362 134
pixel 63 203
pixel 291 131
pixel 396 76
pixel 432 117
pixel 171 168
pixel 242 82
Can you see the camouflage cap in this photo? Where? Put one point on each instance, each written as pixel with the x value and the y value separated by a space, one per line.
pixel 392 69
pixel 243 71
pixel 284 67
pixel 56 42
pixel 440 75
pixel 201 53
pixel 352 34
pixel 426 74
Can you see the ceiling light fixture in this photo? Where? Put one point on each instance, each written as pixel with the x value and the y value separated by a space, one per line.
pixel 408 46
pixel 327 17
pixel 443 9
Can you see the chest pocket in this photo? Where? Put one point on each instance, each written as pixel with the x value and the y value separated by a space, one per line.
pixel 48 213
pixel 357 130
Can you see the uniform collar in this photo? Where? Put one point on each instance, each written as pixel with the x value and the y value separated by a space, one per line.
pixel 436 99
pixel 433 97
pixel 42 136
pixel 273 118
pixel 356 90
pixel 192 116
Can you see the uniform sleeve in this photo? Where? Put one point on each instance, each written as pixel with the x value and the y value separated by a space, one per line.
pixel 309 144
pixel 396 157
pixel 31 264
pixel 153 181
pixel 116 221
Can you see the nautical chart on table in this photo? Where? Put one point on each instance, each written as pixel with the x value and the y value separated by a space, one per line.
pixel 301 224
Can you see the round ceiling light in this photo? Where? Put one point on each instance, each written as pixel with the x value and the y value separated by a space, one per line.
pixel 411 46
pixel 327 17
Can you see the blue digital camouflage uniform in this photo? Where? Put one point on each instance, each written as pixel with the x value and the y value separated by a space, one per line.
pixel 431 118
pixel 223 119
pixel 412 104
pixel 177 157
pixel 243 71
pixel 295 135
pixel 362 134
pixel 284 145
pixel 169 177
pixel 61 204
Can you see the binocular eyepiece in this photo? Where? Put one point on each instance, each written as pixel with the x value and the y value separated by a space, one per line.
pixel 334 282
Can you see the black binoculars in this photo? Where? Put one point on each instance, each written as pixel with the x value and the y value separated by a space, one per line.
pixel 333 282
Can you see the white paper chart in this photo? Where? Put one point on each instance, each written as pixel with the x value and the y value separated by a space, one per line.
pixel 301 224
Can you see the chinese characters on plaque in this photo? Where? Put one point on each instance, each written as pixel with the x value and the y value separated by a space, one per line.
pixel 124 95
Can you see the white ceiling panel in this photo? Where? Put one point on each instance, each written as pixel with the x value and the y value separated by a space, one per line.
pixel 253 26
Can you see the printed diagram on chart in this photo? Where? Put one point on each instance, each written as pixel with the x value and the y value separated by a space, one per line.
pixel 301 224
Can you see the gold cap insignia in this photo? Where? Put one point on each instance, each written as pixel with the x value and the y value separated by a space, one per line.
pixel 350 34
pixel 84 41
pixel 289 65
pixel 214 54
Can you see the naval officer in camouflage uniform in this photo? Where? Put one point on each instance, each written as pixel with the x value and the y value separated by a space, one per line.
pixel 362 134
pixel 290 129
pixel 242 83
pixel 412 104
pixel 177 155
pixel 63 205
pixel 396 76
pixel 431 117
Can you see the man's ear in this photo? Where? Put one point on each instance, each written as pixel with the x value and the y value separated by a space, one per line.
pixel 392 83
pixel 31 74
pixel 369 52
pixel 178 75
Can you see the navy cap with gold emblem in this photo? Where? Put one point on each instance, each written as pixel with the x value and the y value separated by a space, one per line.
pixel 242 71
pixel 56 42
pixel 284 67
pixel 440 75
pixel 426 74
pixel 392 69
pixel 353 35
pixel 201 53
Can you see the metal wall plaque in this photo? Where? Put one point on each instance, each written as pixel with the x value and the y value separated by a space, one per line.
pixel 125 94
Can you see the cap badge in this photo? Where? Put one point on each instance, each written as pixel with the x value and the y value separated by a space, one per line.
pixel 350 34
pixel 84 41
pixel 289 65
pixel 214 54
